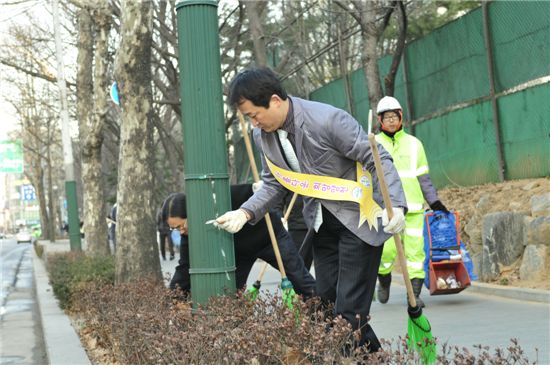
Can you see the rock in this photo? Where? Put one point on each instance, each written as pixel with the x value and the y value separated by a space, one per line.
pixel 537 230
pixel 534 261
pixel 489 268
pixel 507 231
pixel 473 230
pixel 531 185
pixel 476 260
pixel 540 205
pixel 514 206
pixel 483 205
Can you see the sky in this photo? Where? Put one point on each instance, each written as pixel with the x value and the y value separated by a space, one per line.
pixel 14 11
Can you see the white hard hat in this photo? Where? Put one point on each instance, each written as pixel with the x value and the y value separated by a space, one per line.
pixel 387 103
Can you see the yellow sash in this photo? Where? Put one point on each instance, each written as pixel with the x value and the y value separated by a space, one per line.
pixel 333 188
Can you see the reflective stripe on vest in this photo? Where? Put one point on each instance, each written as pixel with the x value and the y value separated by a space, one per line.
pixel 414 232
pixel 415 265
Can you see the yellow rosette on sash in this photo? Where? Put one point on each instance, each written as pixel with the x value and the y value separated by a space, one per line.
pixel 333 188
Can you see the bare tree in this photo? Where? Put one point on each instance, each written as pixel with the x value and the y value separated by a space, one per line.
pixel 38 134
pixel 254 12
pixel 372 17
pixel 137 253
pixel 389 79
pixel 35 110
pixel 167 114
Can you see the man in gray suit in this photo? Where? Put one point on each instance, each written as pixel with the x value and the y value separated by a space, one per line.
pixel 329 142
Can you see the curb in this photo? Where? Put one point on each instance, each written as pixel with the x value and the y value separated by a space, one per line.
pixel 60 338
pixel 511 292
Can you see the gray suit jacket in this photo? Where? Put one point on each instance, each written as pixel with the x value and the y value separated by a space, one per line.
pixel 328 142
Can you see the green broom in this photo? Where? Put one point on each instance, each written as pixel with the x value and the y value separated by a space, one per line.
pixel 254 290
pixel 419 328
pixel 289 295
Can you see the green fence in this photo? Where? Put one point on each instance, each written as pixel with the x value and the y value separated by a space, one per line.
pixel 461 146
pixel 521 41
pixel 525 132
pixel 449 90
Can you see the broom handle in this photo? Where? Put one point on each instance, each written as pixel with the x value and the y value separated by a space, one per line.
pixel 256 179
pixel 387 203
pixel 289 209
pixel 290 206
pixel 262 271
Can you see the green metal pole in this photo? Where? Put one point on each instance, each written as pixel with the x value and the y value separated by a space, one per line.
pixel 211 252
pixel 72 212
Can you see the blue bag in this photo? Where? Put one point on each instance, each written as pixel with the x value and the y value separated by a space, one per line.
pixel 444 243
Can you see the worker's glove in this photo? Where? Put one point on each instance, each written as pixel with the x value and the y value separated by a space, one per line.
pixel 284 222
pixel 232 221
pixel 396 224
pixel 257 186
pixel 438 205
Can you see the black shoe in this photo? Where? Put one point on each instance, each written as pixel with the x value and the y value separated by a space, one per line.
pixel 164 258
pixel 172 257
pixel 383 292
pixel 420 302
pixel 417 288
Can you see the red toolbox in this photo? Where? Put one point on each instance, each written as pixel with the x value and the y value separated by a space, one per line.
pixel 447 272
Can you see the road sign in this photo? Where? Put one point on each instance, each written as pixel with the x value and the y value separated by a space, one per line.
pixel 11 157
pixel 28 193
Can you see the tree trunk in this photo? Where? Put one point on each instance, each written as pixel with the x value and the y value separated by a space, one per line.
pixel 51 211
pixel 371 34
pixel 373 17
pixel 256 31
pixel 33 144
pixel 389 79
pixel 137 253
pixel 91 126
pixel 37 181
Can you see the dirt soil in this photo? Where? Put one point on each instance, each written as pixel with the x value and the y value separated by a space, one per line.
pixel 475 201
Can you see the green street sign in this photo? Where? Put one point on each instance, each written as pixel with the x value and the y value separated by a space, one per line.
pixel 11 157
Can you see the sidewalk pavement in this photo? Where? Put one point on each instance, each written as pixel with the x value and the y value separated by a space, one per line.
pixel 63 343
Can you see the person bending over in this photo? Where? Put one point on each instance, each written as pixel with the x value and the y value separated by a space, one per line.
pixel 301 138
pixel 251 243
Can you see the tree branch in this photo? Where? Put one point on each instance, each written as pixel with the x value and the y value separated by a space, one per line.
pixel 33 73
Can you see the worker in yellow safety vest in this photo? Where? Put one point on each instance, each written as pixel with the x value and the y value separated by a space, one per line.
pixel 411 164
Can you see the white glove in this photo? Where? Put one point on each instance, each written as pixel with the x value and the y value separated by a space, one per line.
pixel 397 223
pixel 284 222
pixel 257 186
pixel 232 221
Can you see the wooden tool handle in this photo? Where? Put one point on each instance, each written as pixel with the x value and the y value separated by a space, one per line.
pixel 256 179
pixel 290 206
pixel 262 271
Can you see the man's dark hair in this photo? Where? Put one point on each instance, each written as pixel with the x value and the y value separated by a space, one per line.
pixel 257 85
pixel 174 206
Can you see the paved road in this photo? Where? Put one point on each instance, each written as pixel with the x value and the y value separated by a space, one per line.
pixel 464 319
pixel 21 340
